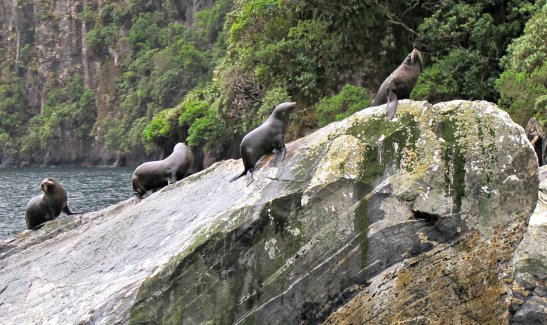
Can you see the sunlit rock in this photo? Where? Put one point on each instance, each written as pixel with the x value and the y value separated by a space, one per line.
pixel 365 221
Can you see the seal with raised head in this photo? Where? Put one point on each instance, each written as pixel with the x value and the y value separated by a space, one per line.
pixel 400 83
pixel 269 136
pixel 153 175
pixel 46 206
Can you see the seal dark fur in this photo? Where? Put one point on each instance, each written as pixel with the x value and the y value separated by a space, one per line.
pixel 153 175
pixel 400 83
pixel 46 206
pixel 268 136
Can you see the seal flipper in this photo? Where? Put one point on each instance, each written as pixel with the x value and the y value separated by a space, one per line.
pixel 391 106
pixel 280 154
pixel 238 176
pixel 67 211
pixel 250 178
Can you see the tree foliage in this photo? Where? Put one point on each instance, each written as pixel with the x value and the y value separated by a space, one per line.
pixel 523 85
pixel 71 108
pixel 465 42
pixel 349 100
pixel 212 80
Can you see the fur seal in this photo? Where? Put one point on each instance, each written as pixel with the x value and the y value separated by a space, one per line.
pixel 400 83
pixel 153 175
pixel 47 206
pixel 265 138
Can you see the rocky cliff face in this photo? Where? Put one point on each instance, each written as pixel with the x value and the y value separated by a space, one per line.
pixel 365 221
pixel 47 40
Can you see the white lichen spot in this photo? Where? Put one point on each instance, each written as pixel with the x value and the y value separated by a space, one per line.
pixel 475 166
pixel 458 229
pixel 294 231
pixel 348 195
pixel 426 194
pixel 304 200
pixel 270 248
pixel 511 178
pixel 380 144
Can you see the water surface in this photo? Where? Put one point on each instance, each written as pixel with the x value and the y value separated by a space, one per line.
pixel 88 189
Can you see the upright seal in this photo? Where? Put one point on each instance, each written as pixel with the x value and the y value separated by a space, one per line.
pixel 265 138
pixel 400 83
pixel 47 206
pixel 153 175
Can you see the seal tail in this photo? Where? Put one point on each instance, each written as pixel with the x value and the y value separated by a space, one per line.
pixel 67 211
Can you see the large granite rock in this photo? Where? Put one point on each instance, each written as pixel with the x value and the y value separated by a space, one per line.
pixel 365 221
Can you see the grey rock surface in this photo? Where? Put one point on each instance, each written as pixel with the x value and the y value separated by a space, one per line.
pixel 365 221
pixel 530 262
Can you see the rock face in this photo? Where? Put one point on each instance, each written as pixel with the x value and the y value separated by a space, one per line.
pixel 529 303
pixel 48 40
pixel 365 221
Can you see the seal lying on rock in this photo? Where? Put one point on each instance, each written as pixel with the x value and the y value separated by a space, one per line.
pixel 400 83
pixel 47 206
pixel 265 138
pixel 153 175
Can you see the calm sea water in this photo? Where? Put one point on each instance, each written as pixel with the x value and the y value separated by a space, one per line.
pixel 88 189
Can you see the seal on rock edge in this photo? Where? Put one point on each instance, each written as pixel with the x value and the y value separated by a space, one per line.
pixel 400 83
pixel 46 206
pixel 154 175
pixel 265 138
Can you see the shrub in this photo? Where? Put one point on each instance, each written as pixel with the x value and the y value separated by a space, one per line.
pixel 523 85
pixel 349 100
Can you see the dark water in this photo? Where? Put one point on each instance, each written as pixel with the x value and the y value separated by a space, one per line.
pixel 88 189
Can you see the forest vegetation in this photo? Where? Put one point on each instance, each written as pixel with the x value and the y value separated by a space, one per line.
pixel 210 81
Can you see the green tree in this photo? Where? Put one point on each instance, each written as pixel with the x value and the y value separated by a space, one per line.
pixel 13 115
pixel 523 85
pixel 69 108
pixel 465 42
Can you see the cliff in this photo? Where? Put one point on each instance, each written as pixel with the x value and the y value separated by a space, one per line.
pixel 365 221
pixel 56 50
